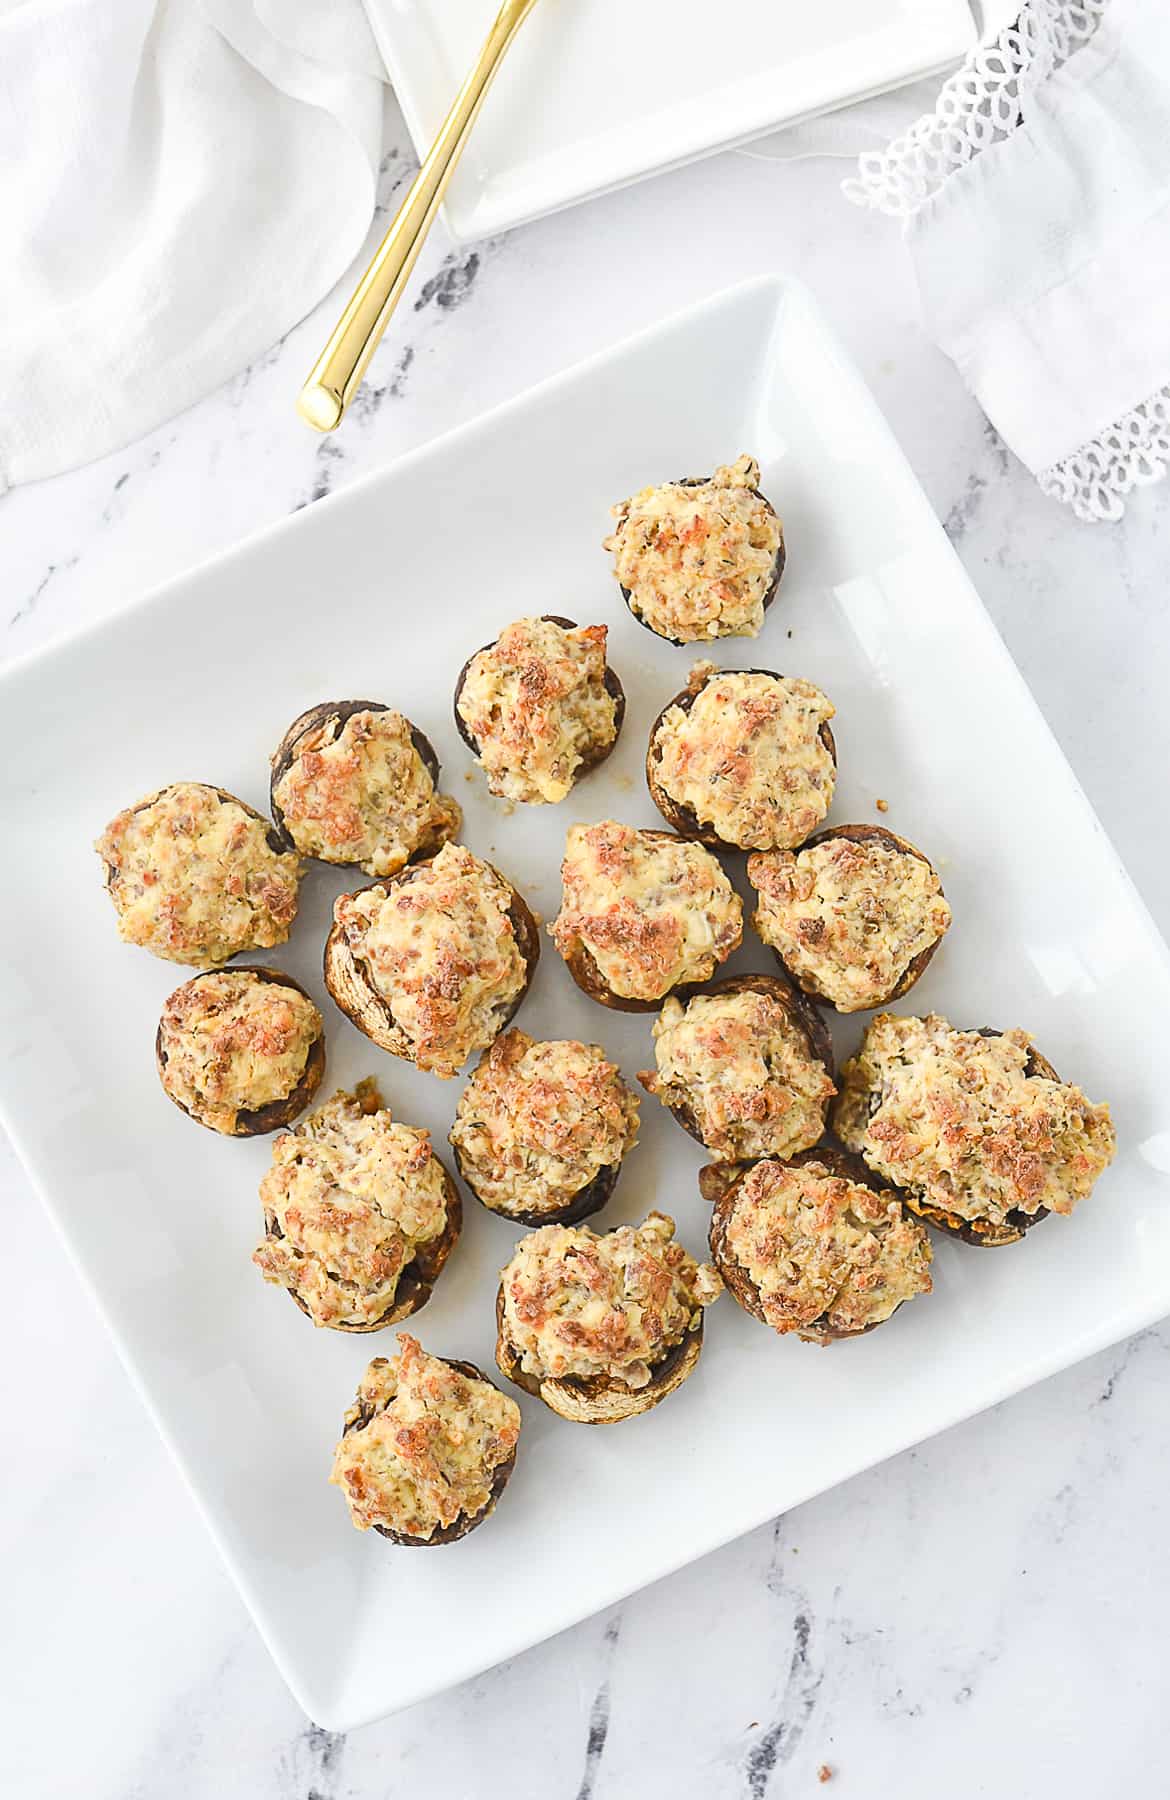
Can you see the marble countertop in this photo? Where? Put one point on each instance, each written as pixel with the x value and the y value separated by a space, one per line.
pixel 983 1615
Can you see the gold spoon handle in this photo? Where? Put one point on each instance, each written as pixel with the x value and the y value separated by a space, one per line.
pixel 337 373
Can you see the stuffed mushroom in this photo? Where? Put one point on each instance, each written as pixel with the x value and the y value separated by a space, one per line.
pixel 854 917
pixel 540 707
pixel 241 1051
pixel 746 1068
pixel 602 1327
pixel 975 1129
pixel 743 759
pixel 427 1449
pixel 699 558
pixel 644 914
pixel 197 876
pixel 542 1128
pixel 432 963
pixel 812 1246
pixel 360 1215
pixel 355 783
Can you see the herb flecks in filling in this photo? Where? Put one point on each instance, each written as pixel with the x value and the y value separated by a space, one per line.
pixel 745 1072
pixel 360 793
pixel 747 757
pixel 194 878
pixel 698 560
pixel 826 1256
pixel 955 1119
pixel 354 1197
pixel 538 1121
pixel 582 1305
pixel 232 1042
pixel 538 708
pixel 848 918
pixel 440 948
pixel 652 910
pixel 428 1454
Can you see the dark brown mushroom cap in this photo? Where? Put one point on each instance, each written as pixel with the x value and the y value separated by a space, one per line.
pixel 984 1233
pixel 302 727
pixel 613 688
pixel 916 967
pixel 445 1534
pixel 277 1113
pixel 583 968
pixel 599 1399
pixel 584 1203
pixel 352 987
pixel 801 1012
pixel 681 818
pixel 417 1281
pixel 770 591
pixel 738 1280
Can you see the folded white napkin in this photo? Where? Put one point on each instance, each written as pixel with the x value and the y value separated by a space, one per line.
pixel 180 182
pixel 1036 205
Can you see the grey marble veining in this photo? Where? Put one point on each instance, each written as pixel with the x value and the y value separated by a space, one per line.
pixel 983 1615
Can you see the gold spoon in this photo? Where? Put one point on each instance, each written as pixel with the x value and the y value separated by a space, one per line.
pixel 337 373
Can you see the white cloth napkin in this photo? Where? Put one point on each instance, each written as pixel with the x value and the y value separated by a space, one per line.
pixel 1036 206
pixel 180 182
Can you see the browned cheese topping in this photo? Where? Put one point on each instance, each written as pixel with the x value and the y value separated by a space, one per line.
pixel 651 910
pixel 194 877
pixel 353 1196
pixel 747 757
pixel 536 704
pixel 538 1121
pixel 697 561
pixel 429 1452
pixel 825 1255
pixel 848 918
pixel 744 1072
pixel 580 1304
pixel 232 1043
pixel 362 794
pixel 955 1119
pixel 441 950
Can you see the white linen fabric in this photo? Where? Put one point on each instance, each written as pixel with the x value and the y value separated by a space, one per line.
pixel 180 182
pixel 1035 200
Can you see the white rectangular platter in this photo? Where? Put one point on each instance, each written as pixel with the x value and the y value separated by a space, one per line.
pixel 385 589
pixel 597 93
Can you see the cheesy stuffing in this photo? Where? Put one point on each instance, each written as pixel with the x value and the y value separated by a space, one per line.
pixel 359 792
pixel 697 561
pixel 955 1119
pixel 744 1071
pixel 428 1451
pixel 747 757
pixel 537 706
pixel 231 1043
pixel 353 1197
pixel 537 1122
pixel 826 1256
pixel 194 879
pixel 652 910
pixel 848 918
pixel 440 949
pixel 583 1305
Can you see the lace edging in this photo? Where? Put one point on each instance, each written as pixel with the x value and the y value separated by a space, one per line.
pixel 979 105
pixel 1131 453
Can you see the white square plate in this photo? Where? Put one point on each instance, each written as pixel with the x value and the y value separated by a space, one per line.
pixel 385 589
pixel 597 93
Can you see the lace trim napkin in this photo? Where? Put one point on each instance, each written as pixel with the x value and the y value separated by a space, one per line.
pixel 1035 199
